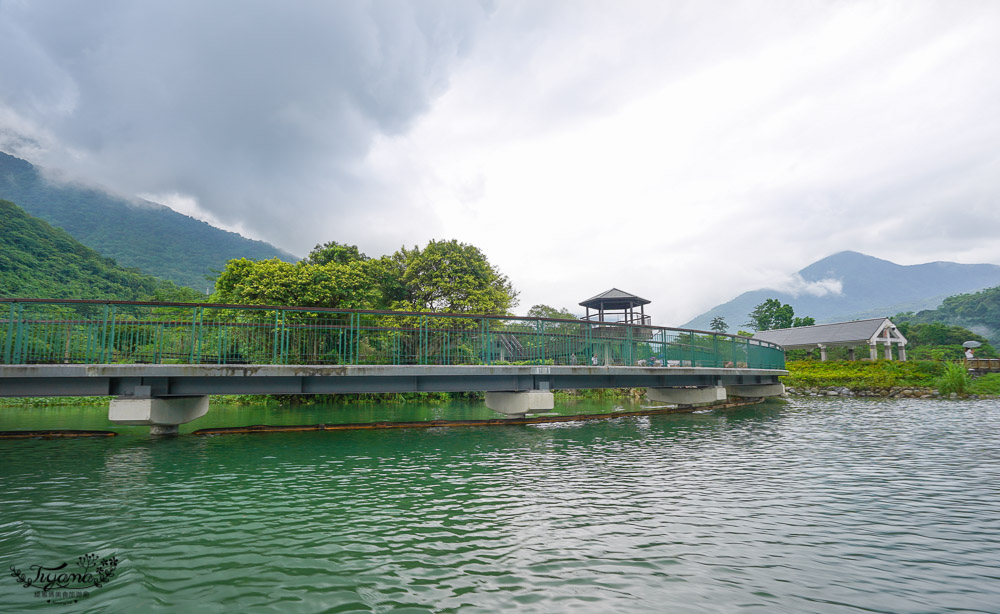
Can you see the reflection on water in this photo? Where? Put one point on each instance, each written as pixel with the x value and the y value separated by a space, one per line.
pixel 817 505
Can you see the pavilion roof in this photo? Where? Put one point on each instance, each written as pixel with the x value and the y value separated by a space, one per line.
pixel 858 332
pixel 614 299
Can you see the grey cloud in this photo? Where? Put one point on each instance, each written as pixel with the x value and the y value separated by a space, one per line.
pixel 260 110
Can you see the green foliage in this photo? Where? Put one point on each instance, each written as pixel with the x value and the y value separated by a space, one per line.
pixel 771 314
pixel 987 384
pixel 544 311
pixel 445 276
pixel 332 251
pixel 453 277
pixel 275 282
pixel 719 325
pixel 954 378
pixel 861 375
pixel 151 237
pixel 39 261
pixel 978 311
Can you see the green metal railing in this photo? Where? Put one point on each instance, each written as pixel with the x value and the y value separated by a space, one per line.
pixel 41 331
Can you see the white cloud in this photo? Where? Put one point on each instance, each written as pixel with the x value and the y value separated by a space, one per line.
pixel 797 286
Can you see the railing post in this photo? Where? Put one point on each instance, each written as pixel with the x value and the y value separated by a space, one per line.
pixel 8 344
pixel 200 317
pixel 692 349
pixel 423 335
pixel 628 353
pixel 274 345
pixel 109 348
pixel 194 334
pixel 715 351
pixel 540 336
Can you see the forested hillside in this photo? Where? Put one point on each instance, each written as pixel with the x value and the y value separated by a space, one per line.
pixel 140 234
pixel 978 312
pixel 39 261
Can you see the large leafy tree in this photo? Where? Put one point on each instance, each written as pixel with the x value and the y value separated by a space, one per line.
pixel 331 251
pixel 444 276
pixel 274 282
pixel 772 314
pixel 453 277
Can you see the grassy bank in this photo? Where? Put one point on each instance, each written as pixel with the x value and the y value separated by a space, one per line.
pixel 885 375
pixel 863 375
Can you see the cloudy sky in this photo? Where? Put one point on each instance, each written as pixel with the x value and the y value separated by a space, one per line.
pixel 683 151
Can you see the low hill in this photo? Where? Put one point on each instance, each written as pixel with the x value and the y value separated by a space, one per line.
pixel 39 261
pixel 134 233
pixel 869 287
pixel 978 312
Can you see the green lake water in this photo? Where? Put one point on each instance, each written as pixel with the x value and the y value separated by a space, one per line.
pixel 814 505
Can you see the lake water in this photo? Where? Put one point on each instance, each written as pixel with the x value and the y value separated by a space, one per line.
pixel 815 505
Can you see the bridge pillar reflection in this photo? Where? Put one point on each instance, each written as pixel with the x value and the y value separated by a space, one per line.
pixel 161 414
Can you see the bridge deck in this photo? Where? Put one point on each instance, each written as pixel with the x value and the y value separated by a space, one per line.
pixel 191 380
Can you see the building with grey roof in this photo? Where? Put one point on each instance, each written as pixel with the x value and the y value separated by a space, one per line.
pixel 873 332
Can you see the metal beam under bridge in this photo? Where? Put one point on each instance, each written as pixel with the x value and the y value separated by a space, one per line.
pixel 194 380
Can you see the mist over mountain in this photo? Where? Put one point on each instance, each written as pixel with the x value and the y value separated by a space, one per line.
pixel 851 286
pixel 133 232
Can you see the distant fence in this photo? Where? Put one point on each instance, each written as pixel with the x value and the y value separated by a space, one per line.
pixel 41 331
pixel 983 364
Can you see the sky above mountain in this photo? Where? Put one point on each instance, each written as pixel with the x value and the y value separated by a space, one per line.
pixel 682 151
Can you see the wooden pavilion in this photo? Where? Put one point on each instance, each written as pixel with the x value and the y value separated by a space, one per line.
pixel 616 306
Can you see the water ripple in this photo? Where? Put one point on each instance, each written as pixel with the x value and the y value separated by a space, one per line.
pixel 817 505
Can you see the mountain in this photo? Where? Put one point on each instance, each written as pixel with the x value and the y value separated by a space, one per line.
pixel 135 233
pixel 869 288
pixel 39 261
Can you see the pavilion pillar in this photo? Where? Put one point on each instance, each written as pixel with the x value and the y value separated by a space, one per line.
pixel 902 352
pixel 888 351
pixel 850 353
pixel 874 351
pixel 822 352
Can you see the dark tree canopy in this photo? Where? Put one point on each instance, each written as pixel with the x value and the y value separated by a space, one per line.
pixel 719 325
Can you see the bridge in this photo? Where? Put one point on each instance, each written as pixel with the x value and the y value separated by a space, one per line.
pixel 161 360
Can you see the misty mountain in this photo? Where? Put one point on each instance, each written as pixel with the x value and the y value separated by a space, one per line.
pixel 133 232
pixel 868 288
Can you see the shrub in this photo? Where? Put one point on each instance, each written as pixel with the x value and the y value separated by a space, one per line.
pixel 954 379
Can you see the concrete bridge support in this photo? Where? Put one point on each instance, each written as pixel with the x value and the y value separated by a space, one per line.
pixel 756 390
pixel 521 403
pixel 687 396
pixel 162 415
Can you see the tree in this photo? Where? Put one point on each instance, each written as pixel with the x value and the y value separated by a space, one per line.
pixel 719 324
pixel 331 251
pixel 445 276
pixel 544 311
pixel 771 314
pixel 273 282
pixel 453 277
